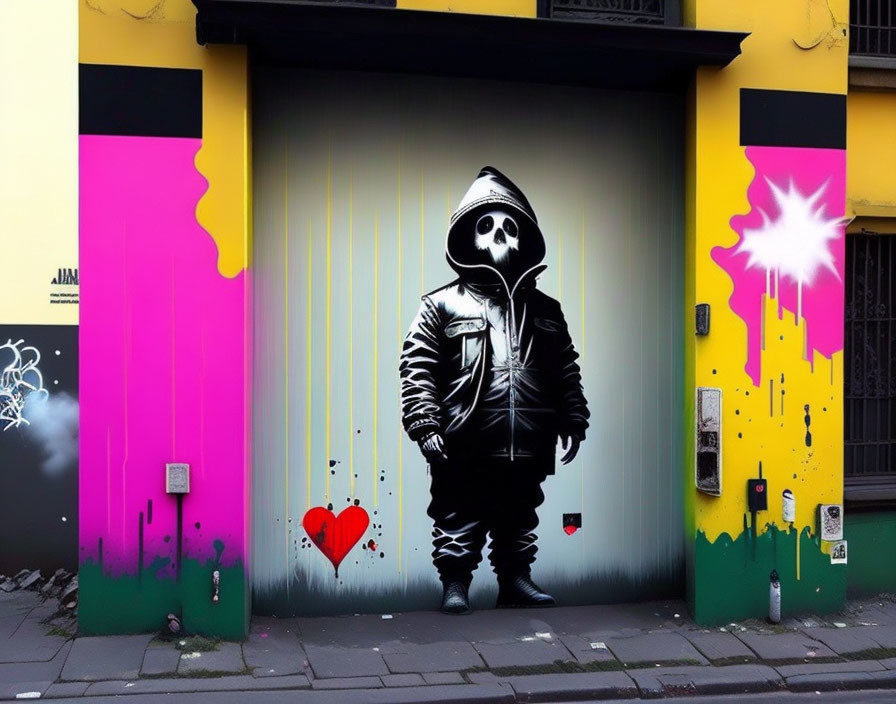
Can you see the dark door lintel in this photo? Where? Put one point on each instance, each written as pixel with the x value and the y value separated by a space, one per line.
pixel 370 38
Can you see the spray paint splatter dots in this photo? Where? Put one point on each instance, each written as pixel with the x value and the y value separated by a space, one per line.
pixel 198 525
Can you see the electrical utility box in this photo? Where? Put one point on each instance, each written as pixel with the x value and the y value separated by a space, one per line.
pixel 177 478
pixel 708 467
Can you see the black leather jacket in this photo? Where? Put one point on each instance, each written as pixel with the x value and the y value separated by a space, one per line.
pixel 495 379
pixel 488 361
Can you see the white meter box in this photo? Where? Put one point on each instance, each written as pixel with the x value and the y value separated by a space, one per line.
pixel 177 478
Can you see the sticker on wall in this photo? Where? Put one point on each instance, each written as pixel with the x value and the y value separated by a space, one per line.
pixel 571 522
pixel 335 535
pixel 838 553
pixel 830 521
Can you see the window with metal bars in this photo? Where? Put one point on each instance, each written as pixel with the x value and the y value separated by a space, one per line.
pixel 872 25
pixel 870 367
pixel 666 12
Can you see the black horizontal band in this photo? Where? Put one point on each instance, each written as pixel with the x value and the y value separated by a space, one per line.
pixel 140 101
pixel 780 118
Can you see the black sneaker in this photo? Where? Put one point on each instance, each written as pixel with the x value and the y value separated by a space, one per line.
pixel 455 599
pixel 521 592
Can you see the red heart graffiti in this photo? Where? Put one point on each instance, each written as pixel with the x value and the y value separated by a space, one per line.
pixel 335 535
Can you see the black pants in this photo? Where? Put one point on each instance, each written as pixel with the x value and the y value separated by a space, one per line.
pixel 475 499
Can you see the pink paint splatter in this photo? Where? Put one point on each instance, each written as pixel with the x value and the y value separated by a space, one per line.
pixel 790 247
pixel 163 369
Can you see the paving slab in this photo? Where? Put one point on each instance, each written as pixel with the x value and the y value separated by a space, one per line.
pixel 818 668
pixel 845 641
pixel 161 660
pixel 35 671
pixel 106 658
pixel 785 646
pixel 830 681
pixel 236 683
pixel 273 648
pixel 885 636
pixel 430 657
pixel 717 646
pixel 14 608
pixel 654 648
pixel 31 642
pixel 347 683
pixel 524 653
pixel 227 658
pixel 573 686
pixel 333 662
pixel 64 690
pixel 443 678
pixel 729 679
pixel 584 653
pixel 15 690
pixel 408 680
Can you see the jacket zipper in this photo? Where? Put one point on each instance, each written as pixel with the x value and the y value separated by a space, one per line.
pixel 511 339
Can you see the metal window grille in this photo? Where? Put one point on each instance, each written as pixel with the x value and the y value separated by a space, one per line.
pixel 631 11
pixel 870 359
pixel 872 25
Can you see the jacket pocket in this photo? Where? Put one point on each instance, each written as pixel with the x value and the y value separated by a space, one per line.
pixel 471 332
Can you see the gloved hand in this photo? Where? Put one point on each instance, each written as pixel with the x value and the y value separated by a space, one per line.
pixel 572 442
pixel 433 447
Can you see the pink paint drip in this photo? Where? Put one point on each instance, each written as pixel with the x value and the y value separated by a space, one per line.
pixel 164 359
pixel 822 302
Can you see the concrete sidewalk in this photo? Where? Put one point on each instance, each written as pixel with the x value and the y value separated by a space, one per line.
pixel 647 650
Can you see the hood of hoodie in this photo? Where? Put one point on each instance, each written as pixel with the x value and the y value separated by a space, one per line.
pixel 493 189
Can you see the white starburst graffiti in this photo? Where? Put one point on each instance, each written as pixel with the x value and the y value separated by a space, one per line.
pixel 19 379
pixel 796 244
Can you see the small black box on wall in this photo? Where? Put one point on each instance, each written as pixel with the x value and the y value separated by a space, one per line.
pixel 757 495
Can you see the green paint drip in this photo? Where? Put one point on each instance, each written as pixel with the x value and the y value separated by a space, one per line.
pixel 731 576
pixel 126 604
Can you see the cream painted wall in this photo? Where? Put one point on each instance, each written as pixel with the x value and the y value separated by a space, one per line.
pixel 38 159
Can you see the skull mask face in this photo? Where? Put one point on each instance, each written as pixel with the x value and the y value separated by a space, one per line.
pixel 498 234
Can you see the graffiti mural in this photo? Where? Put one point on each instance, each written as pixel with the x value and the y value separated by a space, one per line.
pixel 153 299
pixel 783 263
pixel 353 201
pixel 39 445
pixel 790 248
pixel 489 382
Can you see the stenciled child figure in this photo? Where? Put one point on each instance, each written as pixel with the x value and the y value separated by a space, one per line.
pixel 489 383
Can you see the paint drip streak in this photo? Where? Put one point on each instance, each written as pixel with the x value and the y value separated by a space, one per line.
pixel 376 351
pixel 351 334
pixel 329 322
pixel 400 340
pixel 286 394
pixel 309 294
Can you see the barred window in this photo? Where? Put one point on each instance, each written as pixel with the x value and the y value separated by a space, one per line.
pixel 870 366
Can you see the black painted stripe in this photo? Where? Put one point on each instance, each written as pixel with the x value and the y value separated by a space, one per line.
pixel 140 101
pixel 780 118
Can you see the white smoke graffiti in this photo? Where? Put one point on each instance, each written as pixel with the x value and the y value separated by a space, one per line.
pixel 19 378
pixel 51 420
pixel 795 245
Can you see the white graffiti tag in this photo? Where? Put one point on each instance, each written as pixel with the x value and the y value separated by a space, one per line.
pixel 20 378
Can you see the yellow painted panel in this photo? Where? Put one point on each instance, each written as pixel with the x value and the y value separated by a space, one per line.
pixel 871 153
pixel 39 162
pixel 143 33
pixel 515 8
